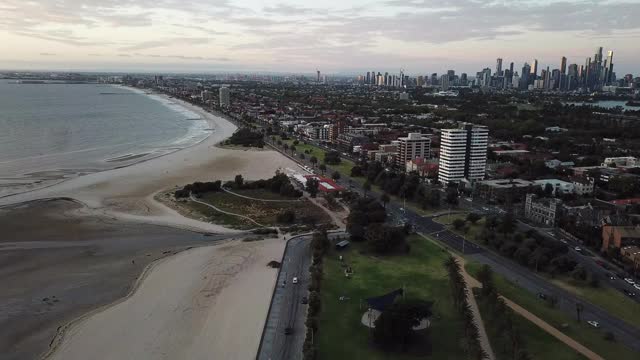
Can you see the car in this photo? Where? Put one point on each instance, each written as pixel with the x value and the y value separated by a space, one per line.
pixel 295 280
pixel 593 323
pixel 637 286
pixel 577 248
pixel 304 300
pixel 563 241
pixel 628 293
pixel 629 280
pixel 288 330
pixel 542 296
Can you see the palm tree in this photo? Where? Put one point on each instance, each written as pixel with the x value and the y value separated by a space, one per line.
pixel 384 198
pixel 366 187
pixel 293 149
pixel 286 147
pixel 313 160
pixel 579 308
pixel 322 168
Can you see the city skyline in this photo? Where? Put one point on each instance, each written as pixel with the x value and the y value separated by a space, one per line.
pixel 287 36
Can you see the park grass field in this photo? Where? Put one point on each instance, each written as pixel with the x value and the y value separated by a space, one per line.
pixel 580 331
pixel 539 344
pixel 344 168
pixel 421 272
pixel 263 212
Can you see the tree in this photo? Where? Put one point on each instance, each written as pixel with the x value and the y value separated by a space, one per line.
pixel 473 217
pixel 452 197
pixel 332 158
pixel 296 142
pixel 384 198
pixel 366 187
pixel 239 180
pixel 548 190
pixel 312 186
pixel 335 176
pixel 286 147
pixel 508 224
pixel 356 171
pixel 394 327
pixel 322 168
pixel 293 149
pixel 458 224
pixel 313 160
pixel 286 217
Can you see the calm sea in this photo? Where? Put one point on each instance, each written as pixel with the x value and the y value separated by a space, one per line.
pixel 54 131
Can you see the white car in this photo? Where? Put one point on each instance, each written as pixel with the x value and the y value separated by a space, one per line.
pixel 637 286
pixel 295 280
pixel 630 281
pixel 593 323
pixel 577 248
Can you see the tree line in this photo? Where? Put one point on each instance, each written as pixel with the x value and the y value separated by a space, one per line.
pixel 278 184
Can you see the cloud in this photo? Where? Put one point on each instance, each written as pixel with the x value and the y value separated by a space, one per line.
pixel 184 57
pixel 47 54
pixel 163 43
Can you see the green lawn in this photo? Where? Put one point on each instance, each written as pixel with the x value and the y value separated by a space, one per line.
pixel 583 333
pixel 344 168
pixel 539 343
pixel 341 334
pixel 604 296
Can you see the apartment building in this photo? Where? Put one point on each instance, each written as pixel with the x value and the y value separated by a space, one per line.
pixel 463 153
pixel 414 145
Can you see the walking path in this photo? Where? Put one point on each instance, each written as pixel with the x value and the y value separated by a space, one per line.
pixel 472 282
pixel 225 212
pixel 256 199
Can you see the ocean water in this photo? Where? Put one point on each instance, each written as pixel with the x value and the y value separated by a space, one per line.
pixel 49 132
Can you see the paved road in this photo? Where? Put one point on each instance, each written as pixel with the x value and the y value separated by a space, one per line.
pixel 625 333
pixel 286 308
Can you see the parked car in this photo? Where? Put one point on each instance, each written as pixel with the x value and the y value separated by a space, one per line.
pixel 577 248
pixel 542 296
pixel 630 281
pixel 593 323
pixel 637 286
pixel 295 280
pixel 288 330
pixel 304 300
pixel 628 293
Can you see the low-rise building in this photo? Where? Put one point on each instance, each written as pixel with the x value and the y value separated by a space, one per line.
pixel 559 186
pixel 583 186
pixel 502 190
pixel 544 211
pixel 423 167
pixel 619 236
pixel 625 161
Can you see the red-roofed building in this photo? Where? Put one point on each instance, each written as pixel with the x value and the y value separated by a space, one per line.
pixel 626 201
pixel 325 184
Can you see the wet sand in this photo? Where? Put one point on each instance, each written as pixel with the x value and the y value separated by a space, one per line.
pixel 55 266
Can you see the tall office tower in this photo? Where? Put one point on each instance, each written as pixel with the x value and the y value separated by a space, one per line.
pixel 444 82
pixel 463 153
pixel 609 70
pixel 499 67
pixel 451 74
pixel 225 96
pixel 420 81
pixel 318 76
pixel 401 78
pixel 415 145
pixel 511 68
pixel 434 79
pixel 524 77
pixel 368 77
pixel 463 79
pixel 386 78
pixel 556 79
pixel 534 69
pixel 563 65
pixel 515 81
pixel 373 78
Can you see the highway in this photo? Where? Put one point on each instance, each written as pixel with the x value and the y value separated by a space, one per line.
pixel 625 333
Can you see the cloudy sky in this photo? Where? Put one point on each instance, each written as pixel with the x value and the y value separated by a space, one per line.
pixel 348 36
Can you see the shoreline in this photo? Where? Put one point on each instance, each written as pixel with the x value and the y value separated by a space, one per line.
pixel 137 157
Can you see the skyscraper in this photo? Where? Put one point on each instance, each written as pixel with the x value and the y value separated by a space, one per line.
pixel 499 67
pixel 534 69
pixel 318 76
pixel 225 96
pixel 463 153
pixel 609 70
pixel 563 66
pixel 415 145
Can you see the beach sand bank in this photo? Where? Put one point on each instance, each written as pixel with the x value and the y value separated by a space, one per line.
pixel 203 303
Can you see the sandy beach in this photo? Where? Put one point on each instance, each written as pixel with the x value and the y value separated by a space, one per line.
pixel 127 193
pixel 205 302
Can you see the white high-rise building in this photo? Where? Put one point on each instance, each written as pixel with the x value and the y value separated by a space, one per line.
pixel 415 145
pixel 225 96
pixel 463 153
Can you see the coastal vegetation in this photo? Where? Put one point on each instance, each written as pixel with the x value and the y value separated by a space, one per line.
pixel 246 137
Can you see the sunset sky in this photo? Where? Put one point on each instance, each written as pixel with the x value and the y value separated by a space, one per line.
pixel 352 36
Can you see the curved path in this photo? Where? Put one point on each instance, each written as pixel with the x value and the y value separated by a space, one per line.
pixel 256 199
pixel 225 212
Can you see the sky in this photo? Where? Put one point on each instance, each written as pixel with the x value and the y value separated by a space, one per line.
pixel 334 36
